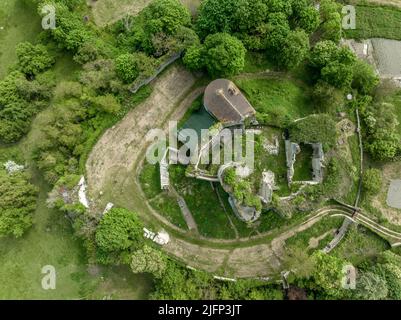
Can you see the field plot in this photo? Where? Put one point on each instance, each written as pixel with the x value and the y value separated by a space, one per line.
pixel 376 21
pixel 108 11
pixel 279 97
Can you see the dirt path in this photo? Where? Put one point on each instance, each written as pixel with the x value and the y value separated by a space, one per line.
pixel 118 149
pixel 113 168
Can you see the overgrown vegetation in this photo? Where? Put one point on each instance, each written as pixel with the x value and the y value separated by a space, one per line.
pixel 224 39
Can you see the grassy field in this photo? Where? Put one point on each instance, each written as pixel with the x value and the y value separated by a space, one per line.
pixel 108 11
pixel 375 21
pixel 257 62
pixel 18 22
pixel 203 202
pixel 303 165
pixel 278 96
pixel 165 204
pixel 360 244
pixel 51 242
pixel 321 231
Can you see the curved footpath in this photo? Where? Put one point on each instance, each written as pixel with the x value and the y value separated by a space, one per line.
pixel 112 174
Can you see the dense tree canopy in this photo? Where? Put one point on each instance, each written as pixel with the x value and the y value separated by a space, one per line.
pixel 383 140
pixel 119 230
pixel 17 203
pixel 130 66
pixel 33 59
pixel 333 64
pixel 20 99
pixel 162 27
pixel 222 55
pixel 365 78
pixel 295 50
pixel 149 260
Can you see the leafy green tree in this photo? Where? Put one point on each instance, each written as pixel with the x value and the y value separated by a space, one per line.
pixel 130 66
pixel 308 19
pixel 20 99
pixel 150 260
pixel 383 140
pixel 100 76
pixel 119 230
pixel 127 67
pixel 70 32
pixel 67 90
pixel 328 274
pixel 295 50
pixel 391 273
pixel 365 78
pixel 331 27
pixel 33 59
pixel 91 50
pixel 279 30
pixel 17 203
pixel 333 64
pixel 372 181
pixel 158 28
pixel 166 16
pixel 194 58
pixel 217 16
pixel 370 286
pixel 326 97
pixel 337 74
pixel 224 55
pixel 323 53
pixel 183 39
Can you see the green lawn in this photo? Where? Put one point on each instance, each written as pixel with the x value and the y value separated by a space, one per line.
pixel 320 228
pixel 277 96
pixel 265 161
pixel 51 242
pixel 20 23
pixel 257 62
pixel 203 202
pixel 303 165
pixel 359 245
pixel 373 21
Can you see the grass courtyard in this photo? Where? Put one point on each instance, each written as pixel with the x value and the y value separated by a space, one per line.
pixel 277 96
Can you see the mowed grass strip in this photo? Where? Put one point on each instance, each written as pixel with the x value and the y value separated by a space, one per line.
pixel 374 21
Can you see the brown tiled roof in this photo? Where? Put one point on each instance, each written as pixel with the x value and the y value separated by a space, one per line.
pixel 226 102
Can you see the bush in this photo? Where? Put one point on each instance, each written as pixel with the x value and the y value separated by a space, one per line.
pixel 224 55
pixel 372 181
pixel 33 59
pixel 119 230
pixel 17 203
pixel 130 66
